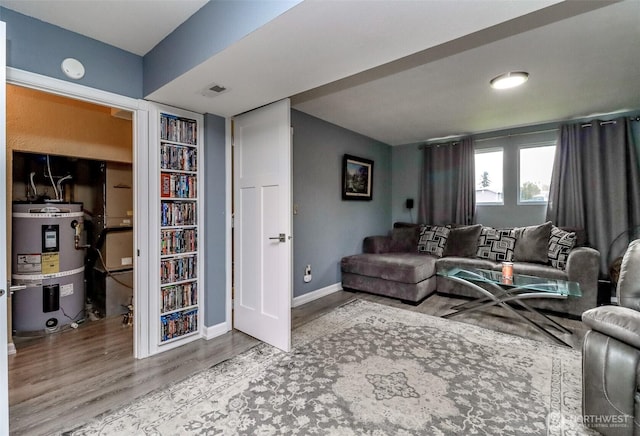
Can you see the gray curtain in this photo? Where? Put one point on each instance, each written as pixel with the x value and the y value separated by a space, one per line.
pixel 447 191
pixel 595 183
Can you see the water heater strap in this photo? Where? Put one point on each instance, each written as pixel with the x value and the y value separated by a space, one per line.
pixel 48 215
pixel 47 276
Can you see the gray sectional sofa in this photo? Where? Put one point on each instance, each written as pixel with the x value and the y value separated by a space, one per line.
pixel 404 264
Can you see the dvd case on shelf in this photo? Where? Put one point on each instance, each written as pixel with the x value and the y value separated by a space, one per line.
pixel 178 129
pixel 176 213
pixel 176 297
pixel 176 241
pixel 178 324
pixel 178 293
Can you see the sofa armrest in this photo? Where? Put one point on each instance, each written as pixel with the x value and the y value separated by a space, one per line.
pixel 377 244
pixel 583 263
pixel 583 267
pixel 618 322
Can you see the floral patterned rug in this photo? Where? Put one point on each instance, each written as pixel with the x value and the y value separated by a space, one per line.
pixel 369 369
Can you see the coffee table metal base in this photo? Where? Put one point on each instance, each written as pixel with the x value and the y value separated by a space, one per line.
pixel 503 296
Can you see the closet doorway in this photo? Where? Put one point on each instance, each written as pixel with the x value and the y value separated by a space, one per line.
pixel 70 196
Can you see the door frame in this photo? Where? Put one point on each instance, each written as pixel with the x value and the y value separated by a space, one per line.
pixel 4 299
pixel 140 138
pixel 228 125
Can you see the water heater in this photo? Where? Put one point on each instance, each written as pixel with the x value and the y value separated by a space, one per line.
pixel 46 261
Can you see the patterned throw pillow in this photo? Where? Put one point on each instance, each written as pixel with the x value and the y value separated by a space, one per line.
pixel 433 239
pixel 496 244
pixel 560 245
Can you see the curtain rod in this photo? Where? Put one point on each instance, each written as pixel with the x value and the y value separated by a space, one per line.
pixel 423 146
pixel 454 142
pixel 437 144
pixel 602 123
pixel 515 134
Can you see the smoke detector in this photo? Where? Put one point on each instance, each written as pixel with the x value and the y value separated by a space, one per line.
pixel 72 68
pixel 214 89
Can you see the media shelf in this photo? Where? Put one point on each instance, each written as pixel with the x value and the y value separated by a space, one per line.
pixel 178 290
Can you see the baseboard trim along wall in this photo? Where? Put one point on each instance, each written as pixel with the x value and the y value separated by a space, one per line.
pixel 215 330
pixel 318 293
pixel 11 348
pixel 220 329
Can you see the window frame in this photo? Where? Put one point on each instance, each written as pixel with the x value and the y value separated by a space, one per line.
pixel 490 150
pixel 541 144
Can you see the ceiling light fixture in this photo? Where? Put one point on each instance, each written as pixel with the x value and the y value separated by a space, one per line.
pixel 509 80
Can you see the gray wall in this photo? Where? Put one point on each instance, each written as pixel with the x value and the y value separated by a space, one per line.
pixel 39 47
pixel 217 25
pixel 214 221
pixel 406 163
pixel 326 228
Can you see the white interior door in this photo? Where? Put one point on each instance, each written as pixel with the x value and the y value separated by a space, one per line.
pixel 4 285
pixel 262 224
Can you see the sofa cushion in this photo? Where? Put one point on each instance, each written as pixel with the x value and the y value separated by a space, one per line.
pixel 465 262
pixel 496 244
pixel 532 243
pixel 433 239
pixel 399 267
pixel 408 292
pixel 404 239
pixel 463 241
pixel 561 243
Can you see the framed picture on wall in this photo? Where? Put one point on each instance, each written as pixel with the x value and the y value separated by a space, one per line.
pixel 357 178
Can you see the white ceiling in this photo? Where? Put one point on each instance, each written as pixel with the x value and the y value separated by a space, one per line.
pixel 584 65
pixel 132 25
pixel 398 71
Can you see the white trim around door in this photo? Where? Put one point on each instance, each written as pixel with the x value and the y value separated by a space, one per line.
pixel 140 146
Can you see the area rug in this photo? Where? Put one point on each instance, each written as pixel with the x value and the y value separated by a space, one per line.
pixel 369 369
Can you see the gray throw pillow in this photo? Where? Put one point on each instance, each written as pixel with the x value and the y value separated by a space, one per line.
pixel 433 239
pixel 532 243
pixel 463 241
pixel 404 239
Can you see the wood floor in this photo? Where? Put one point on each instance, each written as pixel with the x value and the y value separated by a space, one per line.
pixel 63 380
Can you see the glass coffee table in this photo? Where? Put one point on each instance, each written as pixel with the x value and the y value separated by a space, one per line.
pixel 501 291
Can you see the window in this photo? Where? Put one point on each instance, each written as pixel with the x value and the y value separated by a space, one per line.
pixel 488 164
pixel 536 164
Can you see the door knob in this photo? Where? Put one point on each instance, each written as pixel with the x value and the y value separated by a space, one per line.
pixel 280 238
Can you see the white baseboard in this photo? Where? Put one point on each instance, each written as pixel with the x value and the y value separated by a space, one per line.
pixel 318 293
pixel 11 348
pixel 215 330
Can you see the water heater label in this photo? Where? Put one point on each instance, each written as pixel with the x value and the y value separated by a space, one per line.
pixel 66 290
pixel 29 263
pixel 50 263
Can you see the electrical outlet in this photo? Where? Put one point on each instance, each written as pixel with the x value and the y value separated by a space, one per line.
pixel 307 274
